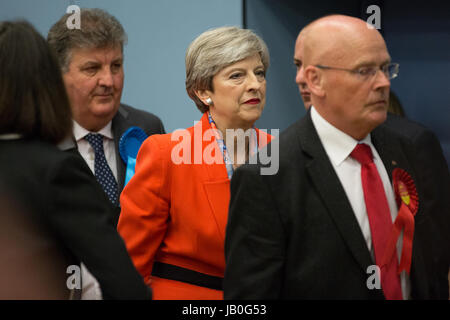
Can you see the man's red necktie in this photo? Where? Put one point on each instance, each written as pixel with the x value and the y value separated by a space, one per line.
pixel 379 218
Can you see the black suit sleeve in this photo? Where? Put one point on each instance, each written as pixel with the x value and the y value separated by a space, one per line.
pixel 78 211
pixel 254 245
pixel 432 169
pixel 434 176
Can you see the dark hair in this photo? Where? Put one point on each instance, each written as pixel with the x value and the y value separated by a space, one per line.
pixel 98 29
pixel 395 106
pixel 33 98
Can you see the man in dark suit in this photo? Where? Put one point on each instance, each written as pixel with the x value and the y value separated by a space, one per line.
pixel 91 60
pixel 429 161
pixel 313 230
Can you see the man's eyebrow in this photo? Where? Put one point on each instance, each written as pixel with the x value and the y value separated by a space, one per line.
pixel 89 63
pixel 371 63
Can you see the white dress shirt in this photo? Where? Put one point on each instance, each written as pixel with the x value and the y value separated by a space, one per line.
pixel 338 146
pixel 91 288
pixel 87 152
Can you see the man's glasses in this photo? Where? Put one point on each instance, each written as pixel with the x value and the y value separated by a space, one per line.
pixel 366 73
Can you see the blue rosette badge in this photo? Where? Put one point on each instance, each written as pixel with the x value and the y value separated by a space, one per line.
pixel 129 145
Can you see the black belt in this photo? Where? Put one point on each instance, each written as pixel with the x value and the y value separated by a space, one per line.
pixel 171 272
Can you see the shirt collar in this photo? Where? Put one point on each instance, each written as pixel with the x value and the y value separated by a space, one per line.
pixel 337 144
pixel 79 132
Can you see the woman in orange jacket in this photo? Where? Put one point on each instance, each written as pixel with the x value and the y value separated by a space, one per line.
pixel 175 208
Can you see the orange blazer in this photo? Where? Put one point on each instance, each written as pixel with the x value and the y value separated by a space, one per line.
pixel 176 214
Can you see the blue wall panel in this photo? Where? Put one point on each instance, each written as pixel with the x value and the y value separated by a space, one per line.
pixel 159 32
pixel 417 35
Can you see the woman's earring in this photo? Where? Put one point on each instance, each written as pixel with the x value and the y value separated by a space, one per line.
pixel 209 101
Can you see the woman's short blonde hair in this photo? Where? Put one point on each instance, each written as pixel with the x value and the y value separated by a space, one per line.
pixel 216 49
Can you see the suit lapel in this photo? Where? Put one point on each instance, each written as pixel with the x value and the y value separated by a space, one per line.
pixel 391 152
pixel 119 126
pixel 327 183
pixel 215 182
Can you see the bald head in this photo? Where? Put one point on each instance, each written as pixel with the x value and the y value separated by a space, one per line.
pixel 336 52
pixel 328 38
pixel 332 38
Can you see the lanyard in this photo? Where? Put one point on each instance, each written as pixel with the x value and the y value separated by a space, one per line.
pixel 228 162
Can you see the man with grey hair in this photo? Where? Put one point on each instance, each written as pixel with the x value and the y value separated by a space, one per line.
pixel 91 59
pixel 349 215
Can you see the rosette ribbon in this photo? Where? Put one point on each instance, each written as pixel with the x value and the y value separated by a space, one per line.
pixel 408 202
pixel 129 145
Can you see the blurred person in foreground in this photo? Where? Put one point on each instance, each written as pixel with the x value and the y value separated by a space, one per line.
pixel 91 59
pixel 32 263
pixel 58 187
pixel 175 208
pixel 325 226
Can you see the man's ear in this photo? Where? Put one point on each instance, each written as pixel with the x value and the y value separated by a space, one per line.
pixel 314 80
pixel 203 95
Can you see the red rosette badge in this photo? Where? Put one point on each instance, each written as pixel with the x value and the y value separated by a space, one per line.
pixel 408 204
pixel 405 190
